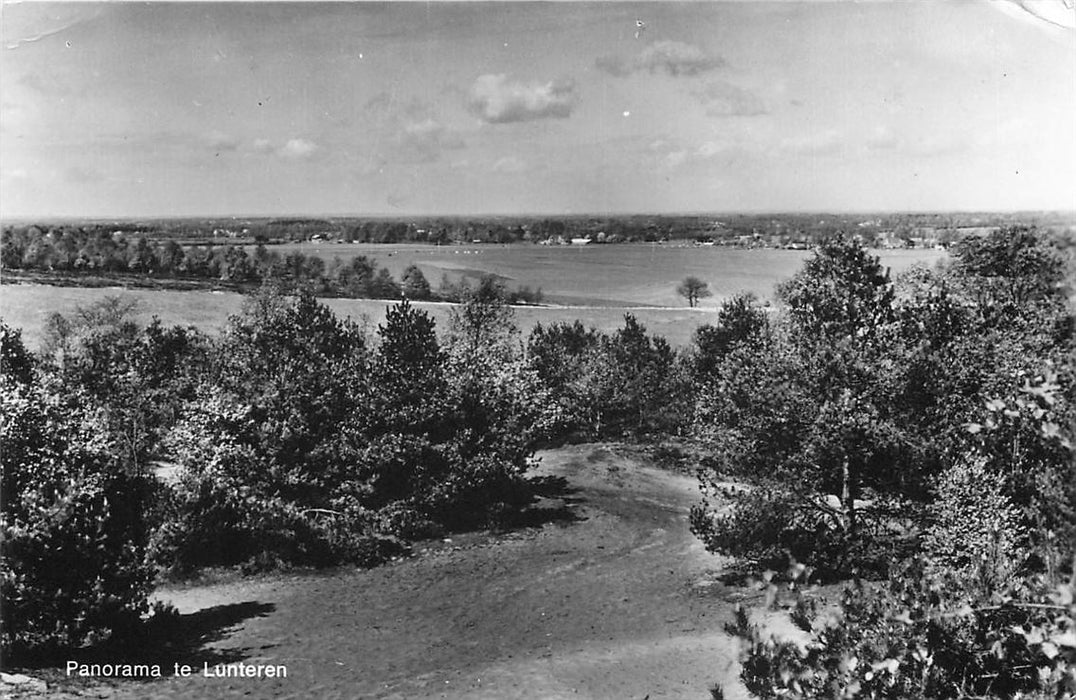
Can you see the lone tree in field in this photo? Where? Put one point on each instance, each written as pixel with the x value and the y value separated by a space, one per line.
pixel 415 285
pixel 693 289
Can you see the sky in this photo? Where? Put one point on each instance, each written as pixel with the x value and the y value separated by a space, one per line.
pixel 216 109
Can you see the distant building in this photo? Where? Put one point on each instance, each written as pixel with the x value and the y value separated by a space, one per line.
pixel 887 239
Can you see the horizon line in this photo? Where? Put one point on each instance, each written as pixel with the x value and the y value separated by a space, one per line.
pixel 23 218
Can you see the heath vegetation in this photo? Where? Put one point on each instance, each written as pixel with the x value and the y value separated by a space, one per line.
pixel 908 437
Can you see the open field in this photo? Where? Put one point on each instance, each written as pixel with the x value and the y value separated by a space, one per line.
pixel 641 274
pixel 27 306
pixel 600 283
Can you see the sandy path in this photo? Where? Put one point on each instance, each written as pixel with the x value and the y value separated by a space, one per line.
pixel 617 602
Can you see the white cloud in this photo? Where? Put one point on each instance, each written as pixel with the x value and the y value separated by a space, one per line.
pixel 297 149
pixel 497 100
pixel 292 149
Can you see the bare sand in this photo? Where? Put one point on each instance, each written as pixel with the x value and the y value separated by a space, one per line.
pixel 611 598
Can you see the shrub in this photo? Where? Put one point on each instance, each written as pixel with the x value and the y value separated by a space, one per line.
pixel 15 362
pixel 976 529
pixel 968 619
pixel 923 635
pixel 857 395
pixel 73 568
pixel 764 527
pixel 624 385
pixel 1022 438
pixel 770 527
pixel 227 506
pixel 313 451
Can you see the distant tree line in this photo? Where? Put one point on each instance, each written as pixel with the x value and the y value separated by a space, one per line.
pixel 810 229
pixel 99 252
pixel 102 253
pixel 886 229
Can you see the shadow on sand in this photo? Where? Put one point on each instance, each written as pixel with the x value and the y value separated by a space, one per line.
pixel 553 501
pixel 168 638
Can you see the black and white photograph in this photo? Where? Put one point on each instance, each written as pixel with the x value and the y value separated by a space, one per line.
pixel 512 349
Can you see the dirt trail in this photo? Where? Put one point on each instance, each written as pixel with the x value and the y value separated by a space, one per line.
pixel 613 599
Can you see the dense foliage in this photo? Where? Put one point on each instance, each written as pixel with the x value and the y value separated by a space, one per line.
pixel 915 432
pixel 625 384
pixel 103 253
pixel 921 635
pixel 313 444
pixel 837 415
pixel 73 523
pixel 292 438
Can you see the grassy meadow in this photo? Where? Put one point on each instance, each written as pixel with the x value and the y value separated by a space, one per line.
pixel 27 306
pixel 594 284
pixel 640 274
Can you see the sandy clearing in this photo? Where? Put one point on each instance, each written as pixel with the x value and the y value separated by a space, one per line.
pixel 619 601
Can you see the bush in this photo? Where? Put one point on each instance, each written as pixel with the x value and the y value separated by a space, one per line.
pixel 862 396
pixel 976 529
pixel 765 528
pixel 227 506
pixel 15 362
pixel 970 618
pixel 73 568
pixel 1022 438
pixel 623 385
pixel 923 635
pixel 312 450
